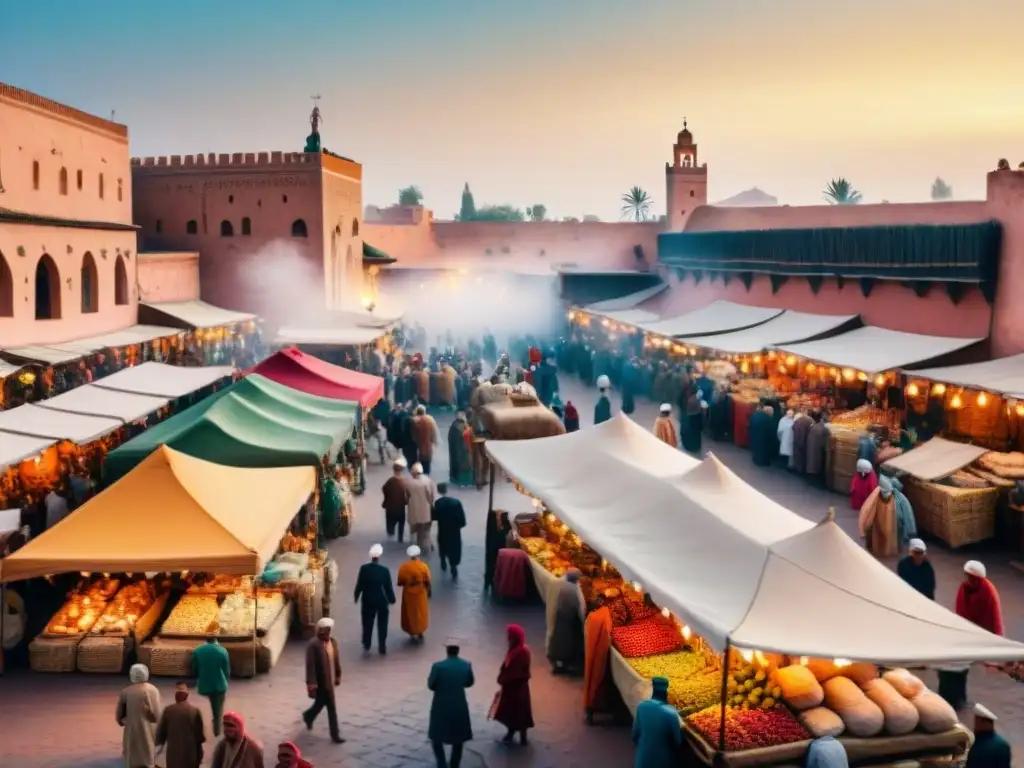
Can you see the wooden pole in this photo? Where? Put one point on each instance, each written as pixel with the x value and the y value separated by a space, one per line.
pixel 725 689
pixel 490 492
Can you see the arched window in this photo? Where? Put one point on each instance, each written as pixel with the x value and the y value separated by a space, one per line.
pixel 6 289
pixel 246 226
pixel 63 181
pixel 120 191
pixel 226 230
pixel 35 174
pixel 120 282
pixel 47 289
pixel 78 179
pixel 355 227
pixel 90 285
pixel 191 227
pixel 299 228
pixel 101 186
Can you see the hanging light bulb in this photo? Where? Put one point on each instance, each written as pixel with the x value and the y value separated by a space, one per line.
pixel 804 661
pixel 665 612
pixel 912 390
pixel 1019 409
pixel 861 376
pixel 747 655
pixel 636 586
pixel 811 368
pixel 757 359
pixel 791 360
pixel 842 662
pixel 686 632
pixel 956 402
pixel 939 389
pixel 982 400
pixel 849 374
pixel 761 658
pixel 880 381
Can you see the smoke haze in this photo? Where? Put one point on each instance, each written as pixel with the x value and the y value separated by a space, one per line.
pixel 471 303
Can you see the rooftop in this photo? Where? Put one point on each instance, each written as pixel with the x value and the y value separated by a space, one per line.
pixel 29 99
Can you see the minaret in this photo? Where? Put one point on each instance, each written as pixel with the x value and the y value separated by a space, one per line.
pixel 686 183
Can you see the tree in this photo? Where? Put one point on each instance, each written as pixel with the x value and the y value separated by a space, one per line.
pixel 410 195
pixel 841 192
pixel 590 218
pixel 941 190
pixel 498 213
pixel 468 210
pixel 537 212
pixel 636 204
pixel 570 220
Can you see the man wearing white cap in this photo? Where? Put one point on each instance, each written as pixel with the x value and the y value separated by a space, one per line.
pixel 323 675
pixel 990 750
pixel 422 495
pixel 977 601
pixel 603 409
pixel 373 586
pixel 665 428
pixel 916 570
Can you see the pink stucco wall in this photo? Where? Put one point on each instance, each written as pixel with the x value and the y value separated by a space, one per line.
pixel 43 147
pixel 1006 203
pixel 267 271
pixel 532 247
pixel 168 276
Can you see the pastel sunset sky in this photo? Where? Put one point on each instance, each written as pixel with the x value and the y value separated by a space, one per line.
pixel 566 102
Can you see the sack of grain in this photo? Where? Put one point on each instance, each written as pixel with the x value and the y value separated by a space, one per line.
pixel 799 688
pixel 906 684
pixel 821 722
pixel 860 673
pixel 861 716
pixel 935 714
pixel 901 716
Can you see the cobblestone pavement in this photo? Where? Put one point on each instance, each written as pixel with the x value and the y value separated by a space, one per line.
pixel 68 720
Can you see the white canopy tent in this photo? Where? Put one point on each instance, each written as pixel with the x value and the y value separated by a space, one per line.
pixel 787 327
pixel 876 350
pixel 90 400
pixel 635 317
pixel 736 566
pixel 14 449
pixel 34 421
pixel 67 351
pixel 162 380
pixel 717 317
pixel 337 337
pixel 6 369
pixel 199 314
pixel 627 302
pixel 1004 376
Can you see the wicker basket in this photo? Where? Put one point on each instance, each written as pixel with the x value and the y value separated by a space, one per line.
pixel 168 658
pixel 308 599
pixel 51 654
pixel 957 516
pixel 104 655
pixel 242 654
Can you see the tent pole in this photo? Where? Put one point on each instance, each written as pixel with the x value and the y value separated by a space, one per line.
pixel 725 678
pixel 490 492
pixel 255 623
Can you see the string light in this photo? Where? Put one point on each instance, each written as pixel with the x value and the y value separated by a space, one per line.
pixel 842 662
pixel 665 612
pixel 939 389
pixel 1020 409
pixel 956 402
pixel 636 586
pixel 804 661
pixel 747 655
pixel 982 400
pixel 880 381
pixel 685 631
pixel 849 374
pixel 912 390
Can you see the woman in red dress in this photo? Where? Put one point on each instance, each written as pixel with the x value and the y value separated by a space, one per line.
pixel 514 709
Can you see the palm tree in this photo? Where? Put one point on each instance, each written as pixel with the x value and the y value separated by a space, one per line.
pixel 941 190
pixel 636 204
pixel 537 212
pixel 841 192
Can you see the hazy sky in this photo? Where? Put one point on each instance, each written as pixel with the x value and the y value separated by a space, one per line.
pixel 563 102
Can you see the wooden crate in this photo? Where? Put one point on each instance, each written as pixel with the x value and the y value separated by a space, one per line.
pixel 957 516
pixel 103 654
pixel 270 647
pixel 53 654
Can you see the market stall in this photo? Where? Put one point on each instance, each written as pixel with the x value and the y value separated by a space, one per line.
pixel 769 605
pixel 173 529
pixel 716 317
pixel 167 381
pixel 253 423
pixel 217 335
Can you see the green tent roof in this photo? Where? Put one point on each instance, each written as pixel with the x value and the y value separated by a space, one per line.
pixel 373 255
pixel 254 423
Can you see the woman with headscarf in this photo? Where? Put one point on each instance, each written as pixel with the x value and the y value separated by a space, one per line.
pixel 565 643
pixel 864 481
pixel 877 521
pixel 237 749
pixel 571 418
pixel 414 579
pixel 290 756
pixel 514 709
pixel 906 524
pixel 138 712
pixel 460 465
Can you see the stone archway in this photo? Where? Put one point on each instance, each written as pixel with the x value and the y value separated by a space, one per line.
pixel 47 289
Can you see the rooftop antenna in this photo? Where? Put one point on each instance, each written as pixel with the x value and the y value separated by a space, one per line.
pixel 113 114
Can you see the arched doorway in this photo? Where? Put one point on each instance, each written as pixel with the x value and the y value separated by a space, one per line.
pixel 90 285
pixel 299 228
pixel 334 266
pixel 120 282
pixel 47 289
pixel 6 289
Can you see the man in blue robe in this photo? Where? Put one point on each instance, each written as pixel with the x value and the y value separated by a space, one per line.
pixel 990 750
pixel 657 731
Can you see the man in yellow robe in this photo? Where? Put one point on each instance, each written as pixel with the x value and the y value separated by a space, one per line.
pixel 414 579
pixel 664 428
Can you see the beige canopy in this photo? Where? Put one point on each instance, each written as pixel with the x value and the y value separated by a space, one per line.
pixel 787 327
pixel 172 512
pixel 736 566
pixel 1004 375
pixel 936 459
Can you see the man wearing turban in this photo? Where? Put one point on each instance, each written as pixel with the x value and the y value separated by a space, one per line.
pixel 657 732
pixel 323 675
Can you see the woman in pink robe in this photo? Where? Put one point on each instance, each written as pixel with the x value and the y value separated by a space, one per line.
pixel 863 483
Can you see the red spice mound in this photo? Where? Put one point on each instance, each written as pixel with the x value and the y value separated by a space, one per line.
pixel 646 638
pixel 748 728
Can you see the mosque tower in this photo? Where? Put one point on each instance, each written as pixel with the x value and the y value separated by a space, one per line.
pixel 686 182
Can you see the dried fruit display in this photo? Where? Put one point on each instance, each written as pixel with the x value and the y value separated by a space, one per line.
pixel 748 728
pixel 751 687
pixel 292 543
pixel 619 611
pixel 125 609
pixel 646 638
pixel 193 615
pixel 237 619
pixel 83 607
pixel 692 684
